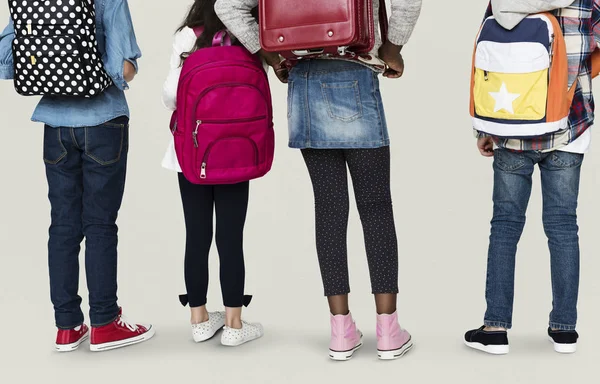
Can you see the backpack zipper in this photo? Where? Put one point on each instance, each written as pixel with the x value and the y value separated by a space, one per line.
pixel 551 48
pixel 216 121
pixel 551 58
pixel 195 133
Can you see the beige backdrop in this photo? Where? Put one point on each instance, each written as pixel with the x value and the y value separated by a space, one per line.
pixel 442 194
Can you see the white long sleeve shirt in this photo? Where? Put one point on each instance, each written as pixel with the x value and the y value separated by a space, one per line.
pixel 183 41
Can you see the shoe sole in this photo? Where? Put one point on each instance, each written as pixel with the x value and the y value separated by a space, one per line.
pixel 73 346
pixel 345 355
pixel 123 343
pixel 491 349
pixel 243 341
pixel 563 348
pixel 210 336
pixel 396 353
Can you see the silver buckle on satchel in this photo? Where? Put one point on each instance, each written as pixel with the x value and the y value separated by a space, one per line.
pixel 308 52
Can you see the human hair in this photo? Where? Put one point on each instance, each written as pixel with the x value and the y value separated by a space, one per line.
pixel 202 14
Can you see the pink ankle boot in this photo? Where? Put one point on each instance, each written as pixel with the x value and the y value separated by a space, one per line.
pixel 345 337
pixel 392 341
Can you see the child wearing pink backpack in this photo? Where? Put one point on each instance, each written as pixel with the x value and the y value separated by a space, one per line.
pixel 222 138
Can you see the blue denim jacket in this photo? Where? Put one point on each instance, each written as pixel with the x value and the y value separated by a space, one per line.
pixel 117 43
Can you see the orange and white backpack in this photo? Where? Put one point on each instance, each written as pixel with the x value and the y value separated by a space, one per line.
pixel 519 83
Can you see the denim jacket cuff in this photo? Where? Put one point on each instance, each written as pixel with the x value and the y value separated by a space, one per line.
pixel 119 79
pixel 6 72
pixel 134 63
pixel 120 82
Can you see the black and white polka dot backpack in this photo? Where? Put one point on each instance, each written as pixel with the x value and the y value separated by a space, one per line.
pixel 55 49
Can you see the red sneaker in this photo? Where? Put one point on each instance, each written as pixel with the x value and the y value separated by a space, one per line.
pixel 68 340
pixel 119 333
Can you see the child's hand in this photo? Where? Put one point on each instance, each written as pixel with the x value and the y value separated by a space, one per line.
pixel 128 71
pixel 274 61
pixel 486 146
pixel 391 55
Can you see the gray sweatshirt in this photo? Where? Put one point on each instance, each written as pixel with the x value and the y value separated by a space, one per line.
pixel 509 13
pixel 235 14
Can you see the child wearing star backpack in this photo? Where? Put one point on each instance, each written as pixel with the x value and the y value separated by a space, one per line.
pixel 532 104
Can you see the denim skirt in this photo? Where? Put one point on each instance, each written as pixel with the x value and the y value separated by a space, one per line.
pixel 335 104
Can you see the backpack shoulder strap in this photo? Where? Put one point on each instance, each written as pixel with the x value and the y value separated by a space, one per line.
pixel 198 31
pixel 383 21
pixel 221 38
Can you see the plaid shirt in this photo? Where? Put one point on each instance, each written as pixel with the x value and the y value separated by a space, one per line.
pixel 580 23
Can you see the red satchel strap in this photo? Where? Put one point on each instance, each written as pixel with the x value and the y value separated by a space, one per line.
pixel 383 21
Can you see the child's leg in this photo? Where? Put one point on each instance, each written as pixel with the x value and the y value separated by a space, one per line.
pixel 370 170
pixel 198 202
pixel 104 169
pixel 512 189
pixel 560 187
pixel 329 176
pixel 65 190
pixel 231 202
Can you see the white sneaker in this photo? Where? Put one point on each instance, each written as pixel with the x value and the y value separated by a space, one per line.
pixel 206 330
pixel 232 337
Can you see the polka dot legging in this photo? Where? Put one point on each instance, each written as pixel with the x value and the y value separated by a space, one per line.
pixel 370 171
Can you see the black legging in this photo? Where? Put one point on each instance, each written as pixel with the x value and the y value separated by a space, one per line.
pixel 231 203
pixel 370 171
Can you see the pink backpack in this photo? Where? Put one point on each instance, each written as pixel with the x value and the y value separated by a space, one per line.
pixel 223 125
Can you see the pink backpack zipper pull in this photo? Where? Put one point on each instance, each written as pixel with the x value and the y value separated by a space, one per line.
pixel 195 134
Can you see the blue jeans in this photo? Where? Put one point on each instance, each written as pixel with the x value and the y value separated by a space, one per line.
pixel 560 173
pixel 85 168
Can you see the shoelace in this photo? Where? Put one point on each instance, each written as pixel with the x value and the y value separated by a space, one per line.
pixel 122 321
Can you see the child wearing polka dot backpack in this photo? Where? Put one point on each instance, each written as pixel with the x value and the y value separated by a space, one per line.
pixel 80 55
pixel 55 48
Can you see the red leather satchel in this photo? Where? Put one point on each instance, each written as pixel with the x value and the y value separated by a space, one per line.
pixel 315 28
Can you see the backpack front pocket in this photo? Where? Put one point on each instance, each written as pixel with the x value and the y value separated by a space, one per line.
pixel 511 81
pixel 57 65
pixel 511 96
pixel 229 153
pixel 49 65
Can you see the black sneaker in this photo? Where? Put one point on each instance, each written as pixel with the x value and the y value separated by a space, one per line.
pixel 564 341
pixel 494 342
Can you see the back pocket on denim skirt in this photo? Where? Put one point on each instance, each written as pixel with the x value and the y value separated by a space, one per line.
pixel 343 100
